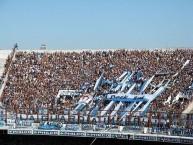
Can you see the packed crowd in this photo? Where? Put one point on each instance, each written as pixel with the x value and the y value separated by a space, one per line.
pixel 35 78
pixel 180 82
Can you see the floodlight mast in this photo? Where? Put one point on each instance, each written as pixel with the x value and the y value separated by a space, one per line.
pixel 43 47
pixel 15 46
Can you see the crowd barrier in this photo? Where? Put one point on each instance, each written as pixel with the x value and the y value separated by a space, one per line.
pixel 152 119
pixel 177 131
pixel 107 134
pixel 156 130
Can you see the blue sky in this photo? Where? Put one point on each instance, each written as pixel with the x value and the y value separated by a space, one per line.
pixel 79 24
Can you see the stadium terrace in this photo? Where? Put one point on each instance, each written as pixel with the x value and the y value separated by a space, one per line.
pixel 134 90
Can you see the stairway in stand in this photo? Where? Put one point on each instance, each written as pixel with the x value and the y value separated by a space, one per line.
pixel 3 56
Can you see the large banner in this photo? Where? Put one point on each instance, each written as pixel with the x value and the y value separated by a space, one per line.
pixel 23 120
pixel 123 97
pixel 74 119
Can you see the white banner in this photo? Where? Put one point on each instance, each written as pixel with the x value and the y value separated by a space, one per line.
pixel 129 97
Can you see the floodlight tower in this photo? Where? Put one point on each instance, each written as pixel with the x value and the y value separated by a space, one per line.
pixel 43 47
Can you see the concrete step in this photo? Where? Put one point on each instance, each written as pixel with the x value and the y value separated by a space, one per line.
pixel 3 56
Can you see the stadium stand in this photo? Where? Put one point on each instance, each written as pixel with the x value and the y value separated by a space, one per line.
pixel 89 93
pixel 35 78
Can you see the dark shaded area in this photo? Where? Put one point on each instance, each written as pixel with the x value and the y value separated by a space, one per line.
pixel 60 140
